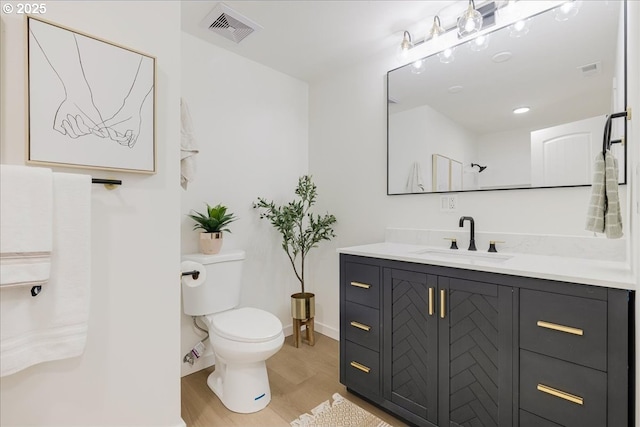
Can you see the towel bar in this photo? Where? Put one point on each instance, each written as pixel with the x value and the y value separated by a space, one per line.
pixel 109 184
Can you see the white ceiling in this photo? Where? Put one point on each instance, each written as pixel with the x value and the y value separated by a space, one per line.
pixel 307 39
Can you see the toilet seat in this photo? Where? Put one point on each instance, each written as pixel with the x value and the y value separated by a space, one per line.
pixel 245 324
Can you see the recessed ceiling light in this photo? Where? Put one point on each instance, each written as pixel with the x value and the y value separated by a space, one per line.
pixel 521 110
pixel 502 56
pixel 454 89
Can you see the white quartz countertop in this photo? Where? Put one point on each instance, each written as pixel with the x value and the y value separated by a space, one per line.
pixel 611 274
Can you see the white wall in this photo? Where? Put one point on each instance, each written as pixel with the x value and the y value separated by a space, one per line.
pixel 347 152
pixel 417 134
pixel 507 156
pixel 129 374
pixel 251 125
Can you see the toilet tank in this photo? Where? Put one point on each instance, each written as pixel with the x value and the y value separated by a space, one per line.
pixel 220 291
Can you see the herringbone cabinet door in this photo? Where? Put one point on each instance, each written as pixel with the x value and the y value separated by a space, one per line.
pixel 473 324
pixel 412 335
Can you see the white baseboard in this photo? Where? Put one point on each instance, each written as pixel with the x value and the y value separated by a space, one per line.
pixel 319 327
pixel 181 423
pixel 210 359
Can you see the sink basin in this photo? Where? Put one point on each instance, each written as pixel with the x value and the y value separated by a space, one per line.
pixel 452 254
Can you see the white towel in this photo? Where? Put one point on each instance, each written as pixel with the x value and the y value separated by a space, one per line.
pixel 25 225
pixel 53 325
pixel 414 182
pixel 188 148
pixel 603 215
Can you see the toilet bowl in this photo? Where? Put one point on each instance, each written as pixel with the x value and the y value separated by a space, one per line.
pixel 242 340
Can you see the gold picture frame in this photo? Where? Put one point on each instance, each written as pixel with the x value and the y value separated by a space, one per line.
pixel 91 102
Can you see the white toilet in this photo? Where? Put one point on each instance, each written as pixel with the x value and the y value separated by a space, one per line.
pixel 242 338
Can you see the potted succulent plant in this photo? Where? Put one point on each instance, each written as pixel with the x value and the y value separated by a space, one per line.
pixel 213 223
pixel 301 231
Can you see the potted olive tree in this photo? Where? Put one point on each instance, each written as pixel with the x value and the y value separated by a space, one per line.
pixel 213 223
pixel 301 231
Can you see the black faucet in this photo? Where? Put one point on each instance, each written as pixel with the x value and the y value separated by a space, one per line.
pixel 472 242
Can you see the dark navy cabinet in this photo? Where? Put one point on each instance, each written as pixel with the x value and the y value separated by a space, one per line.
pixel 440 346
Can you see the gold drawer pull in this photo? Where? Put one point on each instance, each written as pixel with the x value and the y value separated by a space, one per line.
pixel 360 285
pixel 360 326
pixel 432 292
pixel 561 394
pixel 363 368
pixel 443 293
pixel 561 328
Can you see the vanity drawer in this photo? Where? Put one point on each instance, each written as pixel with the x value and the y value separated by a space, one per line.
pixel 529 420
pixel 362 367
pixel 568 327
pixel 565 393
pixel 363 325
pixel 363 284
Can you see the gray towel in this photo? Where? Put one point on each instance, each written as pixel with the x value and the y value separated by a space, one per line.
pixel 603 215
pixel 612 216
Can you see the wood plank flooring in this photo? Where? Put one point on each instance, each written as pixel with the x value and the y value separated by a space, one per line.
pixel 301 378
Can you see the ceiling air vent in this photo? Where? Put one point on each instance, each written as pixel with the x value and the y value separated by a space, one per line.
pixel 228 23
pixel 590 69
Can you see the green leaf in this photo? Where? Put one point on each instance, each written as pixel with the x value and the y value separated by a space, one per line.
pixel 215 220
pixel 299 228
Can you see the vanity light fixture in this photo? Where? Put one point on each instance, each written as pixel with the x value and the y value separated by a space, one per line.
pixel 470 22
pixel 405 46
pixel 521 110
pixel 436 29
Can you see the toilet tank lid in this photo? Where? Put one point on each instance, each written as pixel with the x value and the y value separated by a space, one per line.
pixel 222 256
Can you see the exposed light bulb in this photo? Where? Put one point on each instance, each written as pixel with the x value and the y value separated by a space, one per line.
pixel 405 46
pixel 436 29
pixel 470 22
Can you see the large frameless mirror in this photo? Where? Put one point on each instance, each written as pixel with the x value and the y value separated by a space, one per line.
pixel 526 110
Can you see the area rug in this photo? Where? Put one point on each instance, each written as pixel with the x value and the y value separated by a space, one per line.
pixel 339 413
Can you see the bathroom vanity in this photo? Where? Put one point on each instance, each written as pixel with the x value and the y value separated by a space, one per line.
pixel 475 339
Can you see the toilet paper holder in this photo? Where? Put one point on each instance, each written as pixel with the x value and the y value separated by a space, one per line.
pixel 195 274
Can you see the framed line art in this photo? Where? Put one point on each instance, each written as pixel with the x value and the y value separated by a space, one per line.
pixel 91 103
